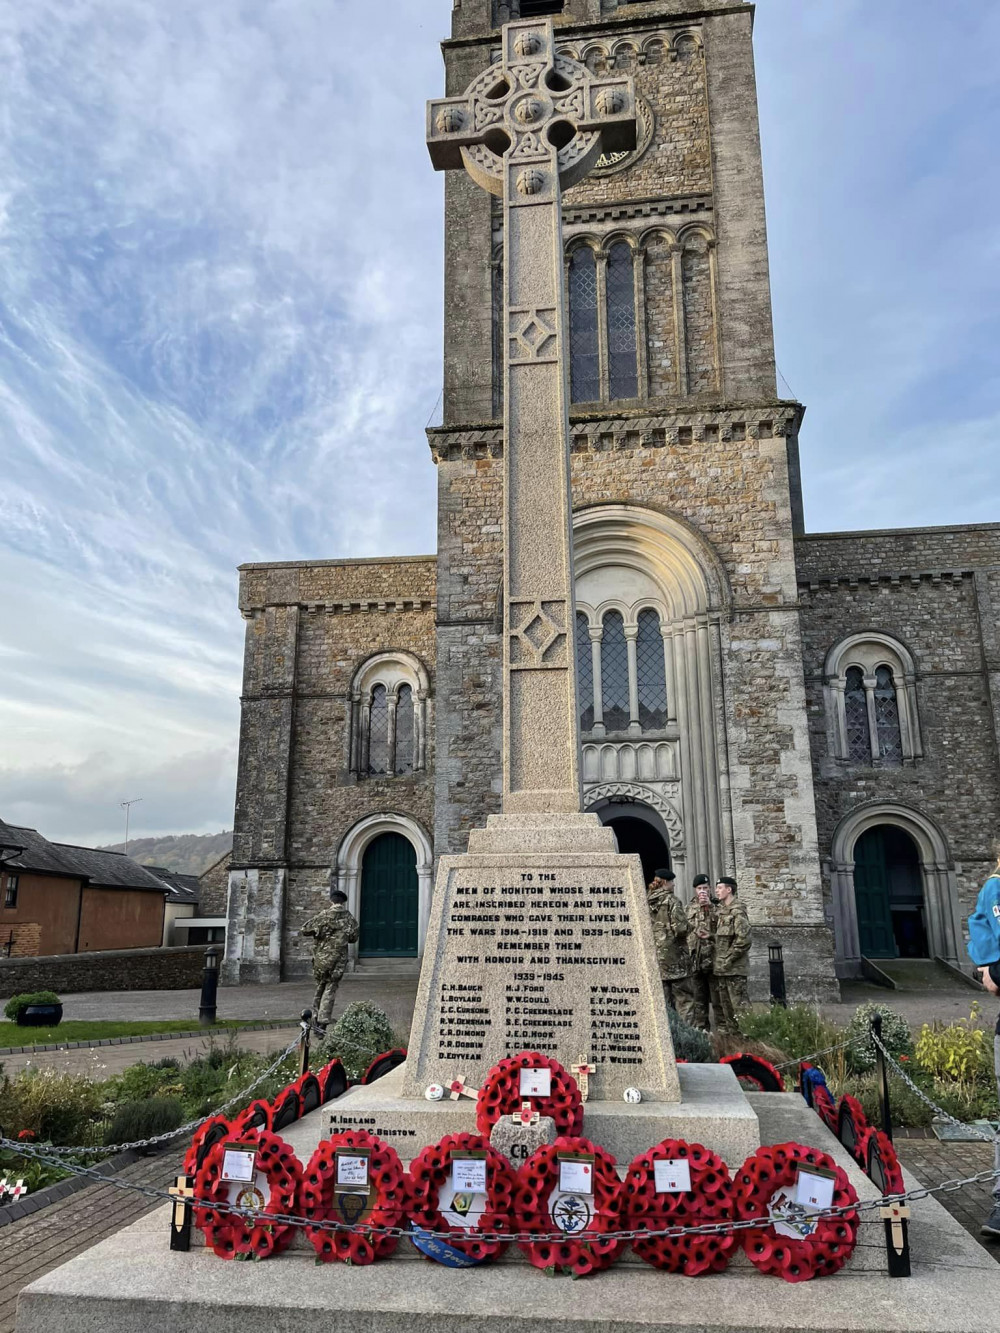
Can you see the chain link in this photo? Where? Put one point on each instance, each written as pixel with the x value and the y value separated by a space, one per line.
pixel 808 1059
pixel 292 1219
pixel 89 1150
pixel 939 1110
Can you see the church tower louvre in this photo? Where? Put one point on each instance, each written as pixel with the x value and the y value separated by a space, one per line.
pixel 685 474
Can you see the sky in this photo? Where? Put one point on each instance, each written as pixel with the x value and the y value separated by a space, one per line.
pixel 220 334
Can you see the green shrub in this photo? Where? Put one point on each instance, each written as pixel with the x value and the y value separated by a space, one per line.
pixel 360 1033
pixel 60 1108
pixel 144 1119
pixel 16 1005
pixel 690 1043
pixel 955 1052
pixel 895 1035
pixel 796 1031
pixel 140 1081
pixel 907 1108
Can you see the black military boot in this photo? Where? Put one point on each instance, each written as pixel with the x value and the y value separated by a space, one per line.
pixel 991 1227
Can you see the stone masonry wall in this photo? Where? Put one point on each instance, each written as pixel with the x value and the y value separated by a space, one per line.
pixel 111 970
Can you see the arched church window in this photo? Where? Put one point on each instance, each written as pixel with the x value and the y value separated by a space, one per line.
pixel 859 746
pixel 652 680
pixel 378 732
pixel 614 672
pixel 623 374
pixel 584 673
pixel 404 731
pixel 584 340
pixel 890 746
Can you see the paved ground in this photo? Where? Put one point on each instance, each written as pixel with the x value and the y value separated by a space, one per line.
pixel 103 1061
pixel 932 1162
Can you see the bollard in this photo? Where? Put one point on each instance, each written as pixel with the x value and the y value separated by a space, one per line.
pixel 895 1217
pixel 304 1041
pixel 209 987
pixel 776 967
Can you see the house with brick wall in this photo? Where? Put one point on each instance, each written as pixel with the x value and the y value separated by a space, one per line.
pixel 816 714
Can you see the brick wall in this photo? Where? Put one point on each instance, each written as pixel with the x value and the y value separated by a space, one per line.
pixel 114 970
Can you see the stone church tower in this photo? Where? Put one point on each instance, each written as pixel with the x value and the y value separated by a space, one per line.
pixel 370 740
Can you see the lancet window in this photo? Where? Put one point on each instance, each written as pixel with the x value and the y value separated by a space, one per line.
pixel 871 700
pixel 621 676
pixel 388 718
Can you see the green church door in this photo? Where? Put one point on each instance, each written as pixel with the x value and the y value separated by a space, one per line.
pixel 389 898
pixel 871 893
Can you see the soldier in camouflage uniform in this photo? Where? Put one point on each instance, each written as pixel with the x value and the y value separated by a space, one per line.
pixel 670 929
pixel 732 952
pixel 701 945
pixel 333 930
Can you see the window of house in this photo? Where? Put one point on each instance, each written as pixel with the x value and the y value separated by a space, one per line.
pixel 10 893
pixel 871 698
pixel 651 673
pixel 584 339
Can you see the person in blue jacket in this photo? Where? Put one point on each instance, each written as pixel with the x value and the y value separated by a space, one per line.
pixel 984 950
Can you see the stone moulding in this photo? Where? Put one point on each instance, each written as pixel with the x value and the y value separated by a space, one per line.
pixel 345 608
pixel 936 577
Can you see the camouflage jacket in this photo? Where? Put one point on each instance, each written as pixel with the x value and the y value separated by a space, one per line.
pixel 333 930
pixel 732 940
pixel 702 951
pixel 670 928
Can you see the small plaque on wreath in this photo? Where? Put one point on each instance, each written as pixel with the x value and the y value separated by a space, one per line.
pixel 570 1187
pixel 680 1185
pixel 355 1185
pixel 460 1190
pixel 501 1093
pixel 257 1174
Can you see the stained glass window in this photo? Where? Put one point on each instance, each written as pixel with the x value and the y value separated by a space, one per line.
pixel 584 354
pixel 614 673
pixel 584 673
pixel 890 741
pixel 622 366
pixel 404 730
pixel 652 677
pixel 378 733
pixel 859 745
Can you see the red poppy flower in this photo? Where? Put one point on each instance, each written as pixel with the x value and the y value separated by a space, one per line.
pixel 26 1134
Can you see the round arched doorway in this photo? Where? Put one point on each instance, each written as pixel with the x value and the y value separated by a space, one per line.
pixel 639 832
pixel 389 898
pixel 889 894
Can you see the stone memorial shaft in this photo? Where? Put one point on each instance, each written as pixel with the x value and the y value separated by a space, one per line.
pixel 525 130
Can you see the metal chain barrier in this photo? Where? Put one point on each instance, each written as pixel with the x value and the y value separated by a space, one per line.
pixel 808 1059
pixel 190 1127
pixel 938 1110
pixel 291 1219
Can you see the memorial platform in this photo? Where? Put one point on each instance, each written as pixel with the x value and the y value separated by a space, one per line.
pixel 133 1281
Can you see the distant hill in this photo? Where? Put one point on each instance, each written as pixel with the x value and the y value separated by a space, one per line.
pixel 187 853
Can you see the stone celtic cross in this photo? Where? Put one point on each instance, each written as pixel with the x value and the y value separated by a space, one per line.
pixel 527 129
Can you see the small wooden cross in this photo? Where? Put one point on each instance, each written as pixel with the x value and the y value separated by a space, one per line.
pixel 527 1115
pixel 895 1214
pixel 17 1190
pixel 182 1191
pixel 583 1071
pixel 459 1088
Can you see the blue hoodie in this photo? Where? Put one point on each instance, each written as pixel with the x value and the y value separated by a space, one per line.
pixel 984 925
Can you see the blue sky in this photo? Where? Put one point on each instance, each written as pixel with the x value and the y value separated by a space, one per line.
pixel 220 308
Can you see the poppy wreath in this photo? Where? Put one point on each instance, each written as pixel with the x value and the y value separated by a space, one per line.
pixel 333 1080
pixel 824 1106
pixel 258 1115
pixel 214 1129
pixel 383 1064
pixel 500 1094
pixel 879 1161
pixel 809 1078
pixel 800 1258
pixel 852 1123
pixel 286 1108
pixel 536 1179
pixel 309 1092
pixel 430 1172
pixel 365 1244
pixel 710 1199
pixel 754 1072
pixel 232 1236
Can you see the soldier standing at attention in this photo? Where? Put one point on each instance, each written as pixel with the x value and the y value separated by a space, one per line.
pixel 333 930
pixel 670 928
pixel 732 952
pixel 701 944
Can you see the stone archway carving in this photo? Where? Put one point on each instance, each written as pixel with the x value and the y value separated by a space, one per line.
pixel 351 853
pixel 614 791
pixel 944 933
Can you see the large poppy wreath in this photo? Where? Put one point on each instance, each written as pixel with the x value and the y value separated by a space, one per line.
pixel 460 1219
pixel 500 1094
pixel 760 1183
pixel 543 1209
pixel 230 1235
pixel 710 1199
pixel 384 1206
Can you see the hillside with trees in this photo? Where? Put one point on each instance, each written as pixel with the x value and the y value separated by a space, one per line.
pixel 187 853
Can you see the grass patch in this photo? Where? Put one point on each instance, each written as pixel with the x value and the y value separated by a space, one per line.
pixel 80 1030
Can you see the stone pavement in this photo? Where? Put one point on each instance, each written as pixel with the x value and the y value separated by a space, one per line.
pixel 104 1061
pixel 932 1161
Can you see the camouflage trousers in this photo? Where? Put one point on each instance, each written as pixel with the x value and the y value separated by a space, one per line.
pixel 700 990
pixel 678 996
pixel 327 981
pixel 729 996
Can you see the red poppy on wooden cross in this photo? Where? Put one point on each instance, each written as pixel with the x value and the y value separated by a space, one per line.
pixel 15 1191
pixel 526 1116
pixel 459 1088
pixel 582 1072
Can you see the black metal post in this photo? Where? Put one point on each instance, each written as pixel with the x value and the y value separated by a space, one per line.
pixel 304 1041
pixel 883 1078
pixel 776 966
pixel 209 988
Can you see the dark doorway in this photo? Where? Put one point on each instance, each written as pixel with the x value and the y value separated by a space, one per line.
pixel 888 890
pixel 389 895
pixel 636 836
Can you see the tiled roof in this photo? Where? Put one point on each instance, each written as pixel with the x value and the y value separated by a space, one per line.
pixel 107 870
pixel 182 888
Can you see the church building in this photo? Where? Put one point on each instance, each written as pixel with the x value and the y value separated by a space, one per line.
pixel 817 714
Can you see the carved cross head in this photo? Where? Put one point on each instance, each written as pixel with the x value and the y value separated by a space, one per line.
pixel 535 122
